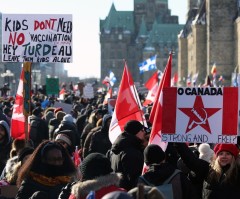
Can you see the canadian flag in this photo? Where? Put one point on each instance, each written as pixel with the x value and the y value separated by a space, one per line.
pixel 200 115
pixel 127 106
pixel 156 112
pixel 151 85
pixel 18 119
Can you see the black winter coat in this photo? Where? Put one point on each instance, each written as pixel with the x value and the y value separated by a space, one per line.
pixel 38 130
pixel 126 156
pixel 97 140
pixel 29 187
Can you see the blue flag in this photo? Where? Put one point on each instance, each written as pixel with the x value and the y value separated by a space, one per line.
pixel 149 64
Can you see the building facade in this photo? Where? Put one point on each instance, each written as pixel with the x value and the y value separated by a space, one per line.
pixel 134 36
pixel 211 35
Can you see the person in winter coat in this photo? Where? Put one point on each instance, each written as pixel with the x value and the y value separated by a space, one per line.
pixel 5 144
pixel 55 122
pixel 98 141
pixel 126 154
pixel 68 124
pixel 159 171
pixel 221 178
pixel 38 127
pixel 92 122
pixel 48 169
pixel 97 176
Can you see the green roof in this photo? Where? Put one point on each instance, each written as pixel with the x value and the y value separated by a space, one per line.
pixel 118 19
pixel 165 33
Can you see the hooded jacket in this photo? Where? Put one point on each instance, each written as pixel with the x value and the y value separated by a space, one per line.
pixel 126 156
pixel 5 147
pixel 98 139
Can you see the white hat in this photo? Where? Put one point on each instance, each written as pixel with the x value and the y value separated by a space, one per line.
pixel 206 153
pixel 68 118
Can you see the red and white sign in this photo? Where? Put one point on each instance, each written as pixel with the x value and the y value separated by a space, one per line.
pixel 200 115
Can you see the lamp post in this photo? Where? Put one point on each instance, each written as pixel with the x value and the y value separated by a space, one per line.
pixel 6 88
pixel 7 74
pixel 36 78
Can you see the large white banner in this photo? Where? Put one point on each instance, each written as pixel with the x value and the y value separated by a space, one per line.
pixel 200 115
pixel 37 38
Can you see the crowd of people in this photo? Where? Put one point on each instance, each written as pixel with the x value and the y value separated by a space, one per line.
pixel 44 165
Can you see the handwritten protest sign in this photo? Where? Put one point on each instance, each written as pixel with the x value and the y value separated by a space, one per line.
pixel 200 115
pixel 36 38
pixel 88 92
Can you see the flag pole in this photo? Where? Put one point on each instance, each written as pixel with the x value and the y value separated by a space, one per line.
pixel 27 68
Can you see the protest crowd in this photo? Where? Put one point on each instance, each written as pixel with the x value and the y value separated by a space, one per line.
pixel 70 155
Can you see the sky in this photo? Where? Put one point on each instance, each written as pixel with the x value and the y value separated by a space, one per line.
pixel 86 16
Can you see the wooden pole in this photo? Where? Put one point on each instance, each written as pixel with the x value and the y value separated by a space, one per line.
pixel 27 67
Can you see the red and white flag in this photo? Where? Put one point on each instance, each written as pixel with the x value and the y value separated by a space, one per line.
pixel 200 115
pixel 62 93
pixel 18 119
pixel 156 112
pixel 127 106
pixel 174 79
pixel 107 96
pixel 151 85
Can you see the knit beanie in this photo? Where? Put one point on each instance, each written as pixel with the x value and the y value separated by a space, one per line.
pixel 57 110
pixel 60 115
pixel 63 137
pixel 133 127
pixel 24 152
pixel 153 154
pixel 67 136
pixel 95 165
pixel 232 148
pixel 37 111
pixel 68 118
pixel 206 153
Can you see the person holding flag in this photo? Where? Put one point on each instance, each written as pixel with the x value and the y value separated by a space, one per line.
pixel 128 106
pixel 156 111
pixel 126 154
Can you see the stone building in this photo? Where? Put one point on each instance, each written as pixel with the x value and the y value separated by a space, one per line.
pixel 135 36
pixel 211 35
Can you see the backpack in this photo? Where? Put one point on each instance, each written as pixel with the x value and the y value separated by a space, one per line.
pixel 166 187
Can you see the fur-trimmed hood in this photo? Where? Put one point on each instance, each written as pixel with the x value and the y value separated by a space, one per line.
pixel 81 189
